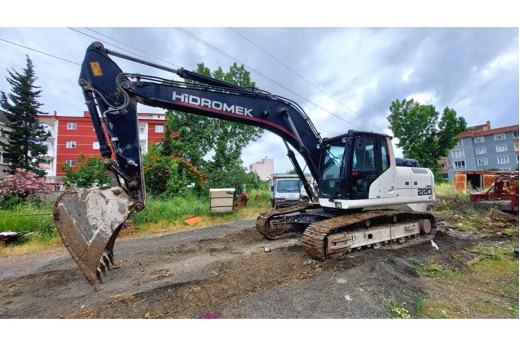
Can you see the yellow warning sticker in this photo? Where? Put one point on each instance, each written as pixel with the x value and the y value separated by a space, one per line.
pixel 96 69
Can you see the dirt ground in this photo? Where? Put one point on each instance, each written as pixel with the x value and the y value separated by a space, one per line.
pixel 230 272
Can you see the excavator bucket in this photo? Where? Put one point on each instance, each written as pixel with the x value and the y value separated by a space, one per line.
pixel 88 221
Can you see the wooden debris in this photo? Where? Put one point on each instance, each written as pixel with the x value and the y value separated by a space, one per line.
pixel 476 260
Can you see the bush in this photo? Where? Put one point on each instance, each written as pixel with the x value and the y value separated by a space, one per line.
pixel 169 176
pixel 20 188
pixel 171 209
pixel 89 171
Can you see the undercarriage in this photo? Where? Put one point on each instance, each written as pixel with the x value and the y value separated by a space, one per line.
pixel 335 234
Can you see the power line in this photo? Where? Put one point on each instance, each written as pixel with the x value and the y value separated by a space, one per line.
pixel 207 44
pixel 323 128
pixel 39 51
pixel 137 49
pixel 98 39
pixel 299 75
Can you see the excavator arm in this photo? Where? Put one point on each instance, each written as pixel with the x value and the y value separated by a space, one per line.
pixel 89 220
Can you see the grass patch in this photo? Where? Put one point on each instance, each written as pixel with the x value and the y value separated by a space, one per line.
pixel 511 231
pixel 437 271
pixel 33 222
pixel 447 190
pixel 169 210
pixel 397 310
pixel 486 289
pixel 169 214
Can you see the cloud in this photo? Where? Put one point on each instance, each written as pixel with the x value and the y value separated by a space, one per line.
pixel 343 77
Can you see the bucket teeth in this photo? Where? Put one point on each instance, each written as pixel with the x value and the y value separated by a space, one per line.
pixel 106 260
pixel 99 275
pixel 89 221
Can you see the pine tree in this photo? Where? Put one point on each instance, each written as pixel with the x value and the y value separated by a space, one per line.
pixel 26 144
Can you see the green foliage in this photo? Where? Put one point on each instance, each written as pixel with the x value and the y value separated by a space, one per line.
pixel 20 188
pixel 25 145
pixel 422 135
pixel 32 220
pixel 170 175
pixel 397 310
pixel 233 176
pixel 437 271
pixel 171 209
pixel 418 304
pixel 89 171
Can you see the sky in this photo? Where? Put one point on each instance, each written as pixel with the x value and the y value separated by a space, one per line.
pixel 344 74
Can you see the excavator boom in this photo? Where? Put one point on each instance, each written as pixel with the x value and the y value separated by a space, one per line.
pixel 355 171
pixel 89 220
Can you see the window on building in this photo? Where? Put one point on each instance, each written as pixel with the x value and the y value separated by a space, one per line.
pixel 142 129
pixel 95 145
pixel 72 126
pixel 515 134
pixel 500 136
pixel 480 151
pixel 159 128
pixel 70 144
pixel 457 153
pixel 459 164
pixel 5 158
pixel 501 148
pixel 71 163
pixel 479 139
pixel 502 160
pixel 482 162
pixel 459 144
pixel 516 146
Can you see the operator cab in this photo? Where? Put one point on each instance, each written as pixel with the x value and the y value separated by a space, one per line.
pixel 350 163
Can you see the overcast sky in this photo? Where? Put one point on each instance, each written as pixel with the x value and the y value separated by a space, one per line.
pixel 343 77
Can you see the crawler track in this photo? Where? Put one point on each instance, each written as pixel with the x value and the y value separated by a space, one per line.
pixel 329 236
pixel 338 236
pixel 272 226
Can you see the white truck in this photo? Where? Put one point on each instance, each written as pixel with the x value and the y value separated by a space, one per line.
pixel 287 190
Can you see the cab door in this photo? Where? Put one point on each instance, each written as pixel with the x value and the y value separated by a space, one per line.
pixel 370 159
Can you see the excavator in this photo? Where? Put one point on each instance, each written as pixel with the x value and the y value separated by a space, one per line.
pixel 365 197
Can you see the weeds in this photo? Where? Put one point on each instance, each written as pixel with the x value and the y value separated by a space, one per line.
pixel 35 224
pixel 511 231
pixel 397 311
pixel 437 271
pixel 418 305
pixel 32 221
pixel 486 289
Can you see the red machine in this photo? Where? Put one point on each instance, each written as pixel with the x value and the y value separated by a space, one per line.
pixel 504 188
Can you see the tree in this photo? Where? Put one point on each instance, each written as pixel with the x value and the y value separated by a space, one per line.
pixel 198 135
pixel 421 134
pixel 26 144
pixel 170 175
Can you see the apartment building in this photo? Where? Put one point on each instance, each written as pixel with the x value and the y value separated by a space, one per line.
pixel 72 136
pixel 482 148
pixel 264 168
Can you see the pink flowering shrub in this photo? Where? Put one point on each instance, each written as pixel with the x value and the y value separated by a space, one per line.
pixel 21 187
